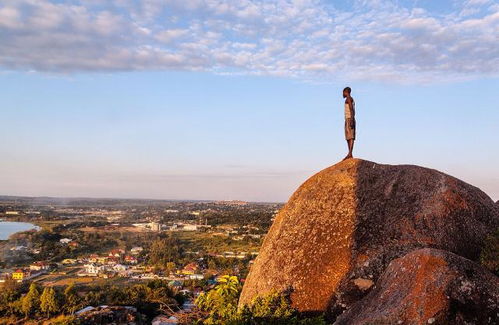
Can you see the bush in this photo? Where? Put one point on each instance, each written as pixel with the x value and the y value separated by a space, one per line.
pixel 220 306
pixel 489 256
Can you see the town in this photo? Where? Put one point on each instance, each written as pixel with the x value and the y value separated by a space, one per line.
pixel 185 245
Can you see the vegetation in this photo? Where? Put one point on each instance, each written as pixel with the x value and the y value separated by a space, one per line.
pixel 150 299
pixel 220 307
pixel 165 250
pixel 490 253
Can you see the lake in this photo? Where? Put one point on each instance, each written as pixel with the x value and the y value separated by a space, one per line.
pixel 7 228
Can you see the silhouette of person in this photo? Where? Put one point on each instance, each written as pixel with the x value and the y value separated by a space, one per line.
pixel 349 121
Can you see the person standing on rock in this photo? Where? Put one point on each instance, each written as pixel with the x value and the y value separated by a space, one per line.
pixel 349 120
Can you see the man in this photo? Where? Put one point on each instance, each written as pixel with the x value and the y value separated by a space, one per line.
pixel 349 121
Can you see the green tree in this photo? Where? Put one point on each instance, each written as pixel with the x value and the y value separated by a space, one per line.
pixel 72 301
pixel 9 294
pixel 31 301
pixel 165 250
pixel 221 302
pixel 48 301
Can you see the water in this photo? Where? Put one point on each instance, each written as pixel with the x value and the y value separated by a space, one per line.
pixel 7 228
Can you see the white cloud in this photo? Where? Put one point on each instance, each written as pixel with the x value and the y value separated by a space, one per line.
pixel 308 40
pixel 167 36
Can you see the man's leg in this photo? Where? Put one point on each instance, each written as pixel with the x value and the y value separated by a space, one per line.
pixel 350 147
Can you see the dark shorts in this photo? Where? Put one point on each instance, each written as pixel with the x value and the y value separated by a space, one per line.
pixel 350 129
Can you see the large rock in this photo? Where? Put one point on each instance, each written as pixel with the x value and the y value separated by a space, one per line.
pixel 429 286
pixel 344 225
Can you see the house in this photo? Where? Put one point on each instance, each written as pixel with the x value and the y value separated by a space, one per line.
pixel 93 258
pixel 84 310
pixel 241 255
pixel 65 240
pixel 39 266
pixel 19 248
pixel 136 250
pixel 113 260
pixel 130 259
pixel 19 275
pixel 190 268
pixel 116 253
pixel 102 259
pixel 92 269
pixel 73 244
pixel 120 268
pixel 196 276
pixel 69 261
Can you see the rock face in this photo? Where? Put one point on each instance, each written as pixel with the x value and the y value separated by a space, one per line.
pixel 429 286
pixel 342 227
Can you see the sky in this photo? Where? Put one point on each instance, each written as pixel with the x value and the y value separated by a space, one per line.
pixel 218 99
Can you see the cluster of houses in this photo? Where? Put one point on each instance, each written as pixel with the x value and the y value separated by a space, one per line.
pixel 116 262
pixel 26 273
pixel 247 231
pixel 178 226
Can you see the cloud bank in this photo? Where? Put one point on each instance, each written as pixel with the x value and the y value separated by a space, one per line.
pixel 395 41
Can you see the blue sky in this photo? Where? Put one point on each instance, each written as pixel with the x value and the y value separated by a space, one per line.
pixel 240 100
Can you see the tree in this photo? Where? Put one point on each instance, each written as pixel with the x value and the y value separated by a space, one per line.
pixel 8 296
pixel 48 301
pixel 221 302
pixel 31 301
pixel 164 250
pixel 71 298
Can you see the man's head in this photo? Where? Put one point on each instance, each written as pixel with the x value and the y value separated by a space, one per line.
pixel 346 92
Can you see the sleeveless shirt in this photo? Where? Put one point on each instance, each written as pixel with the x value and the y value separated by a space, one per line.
pixel 347 110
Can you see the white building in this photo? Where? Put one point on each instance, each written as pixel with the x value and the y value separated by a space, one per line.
pixel 92 269
pixel 39 266
pixel 120 268
pixel 65 240
pixel 155 226
pixel 136 250
pixel 188 227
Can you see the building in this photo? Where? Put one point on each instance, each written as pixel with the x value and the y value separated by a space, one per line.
pixel 19 275
pixel 92 269
pixel 39 266
pixel 120 268
pixel 131 259
pixel 190 269
pixel 68 261
pixel 188 227
pixel 136 250
pixel 116 252
pixel 93 258
pixel 73 244
pixel 65 240
pixel 155 226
